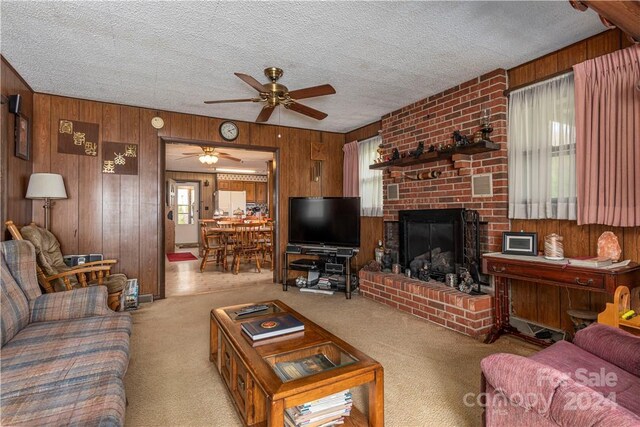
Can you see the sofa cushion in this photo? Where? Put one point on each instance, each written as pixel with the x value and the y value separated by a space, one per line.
pixel 114 282
pixel 47 247
pixel 593 372
pixel 49 355
pixel 100 402
pixel 611 344
pixel 19 257
pixel 14 308
pixel 576 405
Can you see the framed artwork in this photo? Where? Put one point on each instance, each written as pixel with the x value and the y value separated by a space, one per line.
pixel 23 139
pixel 520 243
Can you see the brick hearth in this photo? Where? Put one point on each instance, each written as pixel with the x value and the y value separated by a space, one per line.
pixel 433 301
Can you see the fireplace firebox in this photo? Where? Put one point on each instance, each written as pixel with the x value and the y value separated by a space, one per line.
pixel 446 238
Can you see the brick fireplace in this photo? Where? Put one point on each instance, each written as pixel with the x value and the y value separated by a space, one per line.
pixel 432 120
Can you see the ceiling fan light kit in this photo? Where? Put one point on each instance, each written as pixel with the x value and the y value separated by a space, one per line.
pixel 273 94
pixel 209 156
pixel 208 159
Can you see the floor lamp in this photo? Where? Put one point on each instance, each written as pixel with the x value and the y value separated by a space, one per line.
pixel 46 186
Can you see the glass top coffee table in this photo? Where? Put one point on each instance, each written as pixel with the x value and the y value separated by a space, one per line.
pixel 267 376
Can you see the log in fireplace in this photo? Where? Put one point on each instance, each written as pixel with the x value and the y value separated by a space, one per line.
pixel 447 238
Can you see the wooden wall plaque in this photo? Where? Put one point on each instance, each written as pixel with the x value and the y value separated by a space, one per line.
pixel 78 138
pixel 119 158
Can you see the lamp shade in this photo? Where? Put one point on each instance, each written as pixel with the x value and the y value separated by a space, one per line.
pixel 46 186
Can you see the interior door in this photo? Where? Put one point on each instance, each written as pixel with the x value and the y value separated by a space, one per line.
pixel 187 212
pixel 169 220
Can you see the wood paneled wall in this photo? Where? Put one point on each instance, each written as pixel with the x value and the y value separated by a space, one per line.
pixel 14 172
pixel 564 59
pixel 371 227
pixel 547 304
pixel 121 216
pixel 207 205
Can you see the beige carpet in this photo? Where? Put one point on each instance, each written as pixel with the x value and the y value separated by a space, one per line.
pixel 428 369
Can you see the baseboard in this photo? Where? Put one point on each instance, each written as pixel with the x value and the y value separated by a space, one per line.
pixel 145 298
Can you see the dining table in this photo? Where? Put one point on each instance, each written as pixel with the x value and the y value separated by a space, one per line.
pixel 226 233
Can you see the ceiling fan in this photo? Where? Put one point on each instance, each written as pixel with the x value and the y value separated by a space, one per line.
pixel 209 156
pixel 274 94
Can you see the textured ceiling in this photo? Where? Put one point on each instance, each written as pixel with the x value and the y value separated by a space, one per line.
pixel 250 159
pixel 379 56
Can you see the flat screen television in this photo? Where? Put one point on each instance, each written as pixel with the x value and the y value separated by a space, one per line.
pixel 326 221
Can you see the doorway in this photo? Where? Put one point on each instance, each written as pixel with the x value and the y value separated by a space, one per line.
pixel 248 177
pixel 187 211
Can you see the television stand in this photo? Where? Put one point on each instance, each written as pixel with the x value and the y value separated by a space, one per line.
pixel 342 255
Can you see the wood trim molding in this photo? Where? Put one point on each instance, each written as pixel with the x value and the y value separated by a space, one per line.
pixel 622 14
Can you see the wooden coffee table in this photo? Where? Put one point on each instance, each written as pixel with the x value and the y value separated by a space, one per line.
pixel 261 396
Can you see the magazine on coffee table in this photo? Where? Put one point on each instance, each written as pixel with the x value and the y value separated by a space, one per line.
pixel 303 367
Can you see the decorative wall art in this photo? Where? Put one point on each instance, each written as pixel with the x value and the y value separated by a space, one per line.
pixel 23 138
pixel 119 158
pixel 78 138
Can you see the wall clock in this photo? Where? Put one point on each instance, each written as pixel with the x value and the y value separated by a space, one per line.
pixel 157 122
pixel 229 131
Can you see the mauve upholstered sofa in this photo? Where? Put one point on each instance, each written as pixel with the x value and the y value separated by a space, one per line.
pixel 64 354
pixel 594 381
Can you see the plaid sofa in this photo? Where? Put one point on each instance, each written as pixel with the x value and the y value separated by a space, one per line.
pixel 64 354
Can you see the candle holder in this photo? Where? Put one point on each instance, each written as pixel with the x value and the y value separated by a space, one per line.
pixel 485 124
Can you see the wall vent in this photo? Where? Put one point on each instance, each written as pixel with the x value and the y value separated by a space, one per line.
pixel 482 185
pixel 393 192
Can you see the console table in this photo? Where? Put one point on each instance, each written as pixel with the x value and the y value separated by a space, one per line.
pixel 555 273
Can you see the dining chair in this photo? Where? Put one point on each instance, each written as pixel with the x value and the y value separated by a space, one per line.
pixel 213 245
pixel 246 245
pixel 266 242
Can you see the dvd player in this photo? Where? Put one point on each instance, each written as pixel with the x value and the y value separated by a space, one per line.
pixel 305 264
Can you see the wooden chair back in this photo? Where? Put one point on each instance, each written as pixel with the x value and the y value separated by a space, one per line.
pixel 209 239
pixel 247 237
pixel 226 223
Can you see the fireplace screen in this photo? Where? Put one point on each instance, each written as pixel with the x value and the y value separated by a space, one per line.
pixel 446 238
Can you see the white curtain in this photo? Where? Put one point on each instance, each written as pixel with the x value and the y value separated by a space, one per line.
pixel 370 179
pixel 541 146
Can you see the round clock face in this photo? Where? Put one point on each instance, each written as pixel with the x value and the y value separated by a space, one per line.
pixel 229 131
pixel 157 122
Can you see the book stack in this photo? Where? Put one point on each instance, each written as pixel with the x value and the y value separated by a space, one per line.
pixel 593 262
pixel 325 412
pixel 324 283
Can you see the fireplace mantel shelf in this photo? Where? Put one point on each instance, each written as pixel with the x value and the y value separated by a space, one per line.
pixel 475 148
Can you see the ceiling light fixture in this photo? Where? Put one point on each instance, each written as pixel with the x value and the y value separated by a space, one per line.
pixel 208 159
pixel 231 170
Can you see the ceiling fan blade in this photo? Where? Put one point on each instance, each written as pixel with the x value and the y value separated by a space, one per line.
pixel 307 111
pixel 187 157
pixel 251 82
pixel 232 100
pixel 228 157
pixel 265 113
pixel 310 92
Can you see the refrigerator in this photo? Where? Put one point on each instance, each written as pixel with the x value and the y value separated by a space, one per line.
pixel 229 201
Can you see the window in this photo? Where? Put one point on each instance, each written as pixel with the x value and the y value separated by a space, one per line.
pixel 370 183
pixel 542 151
pixel 186 205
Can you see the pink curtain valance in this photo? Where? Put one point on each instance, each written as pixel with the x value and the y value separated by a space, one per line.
pixel 607 101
